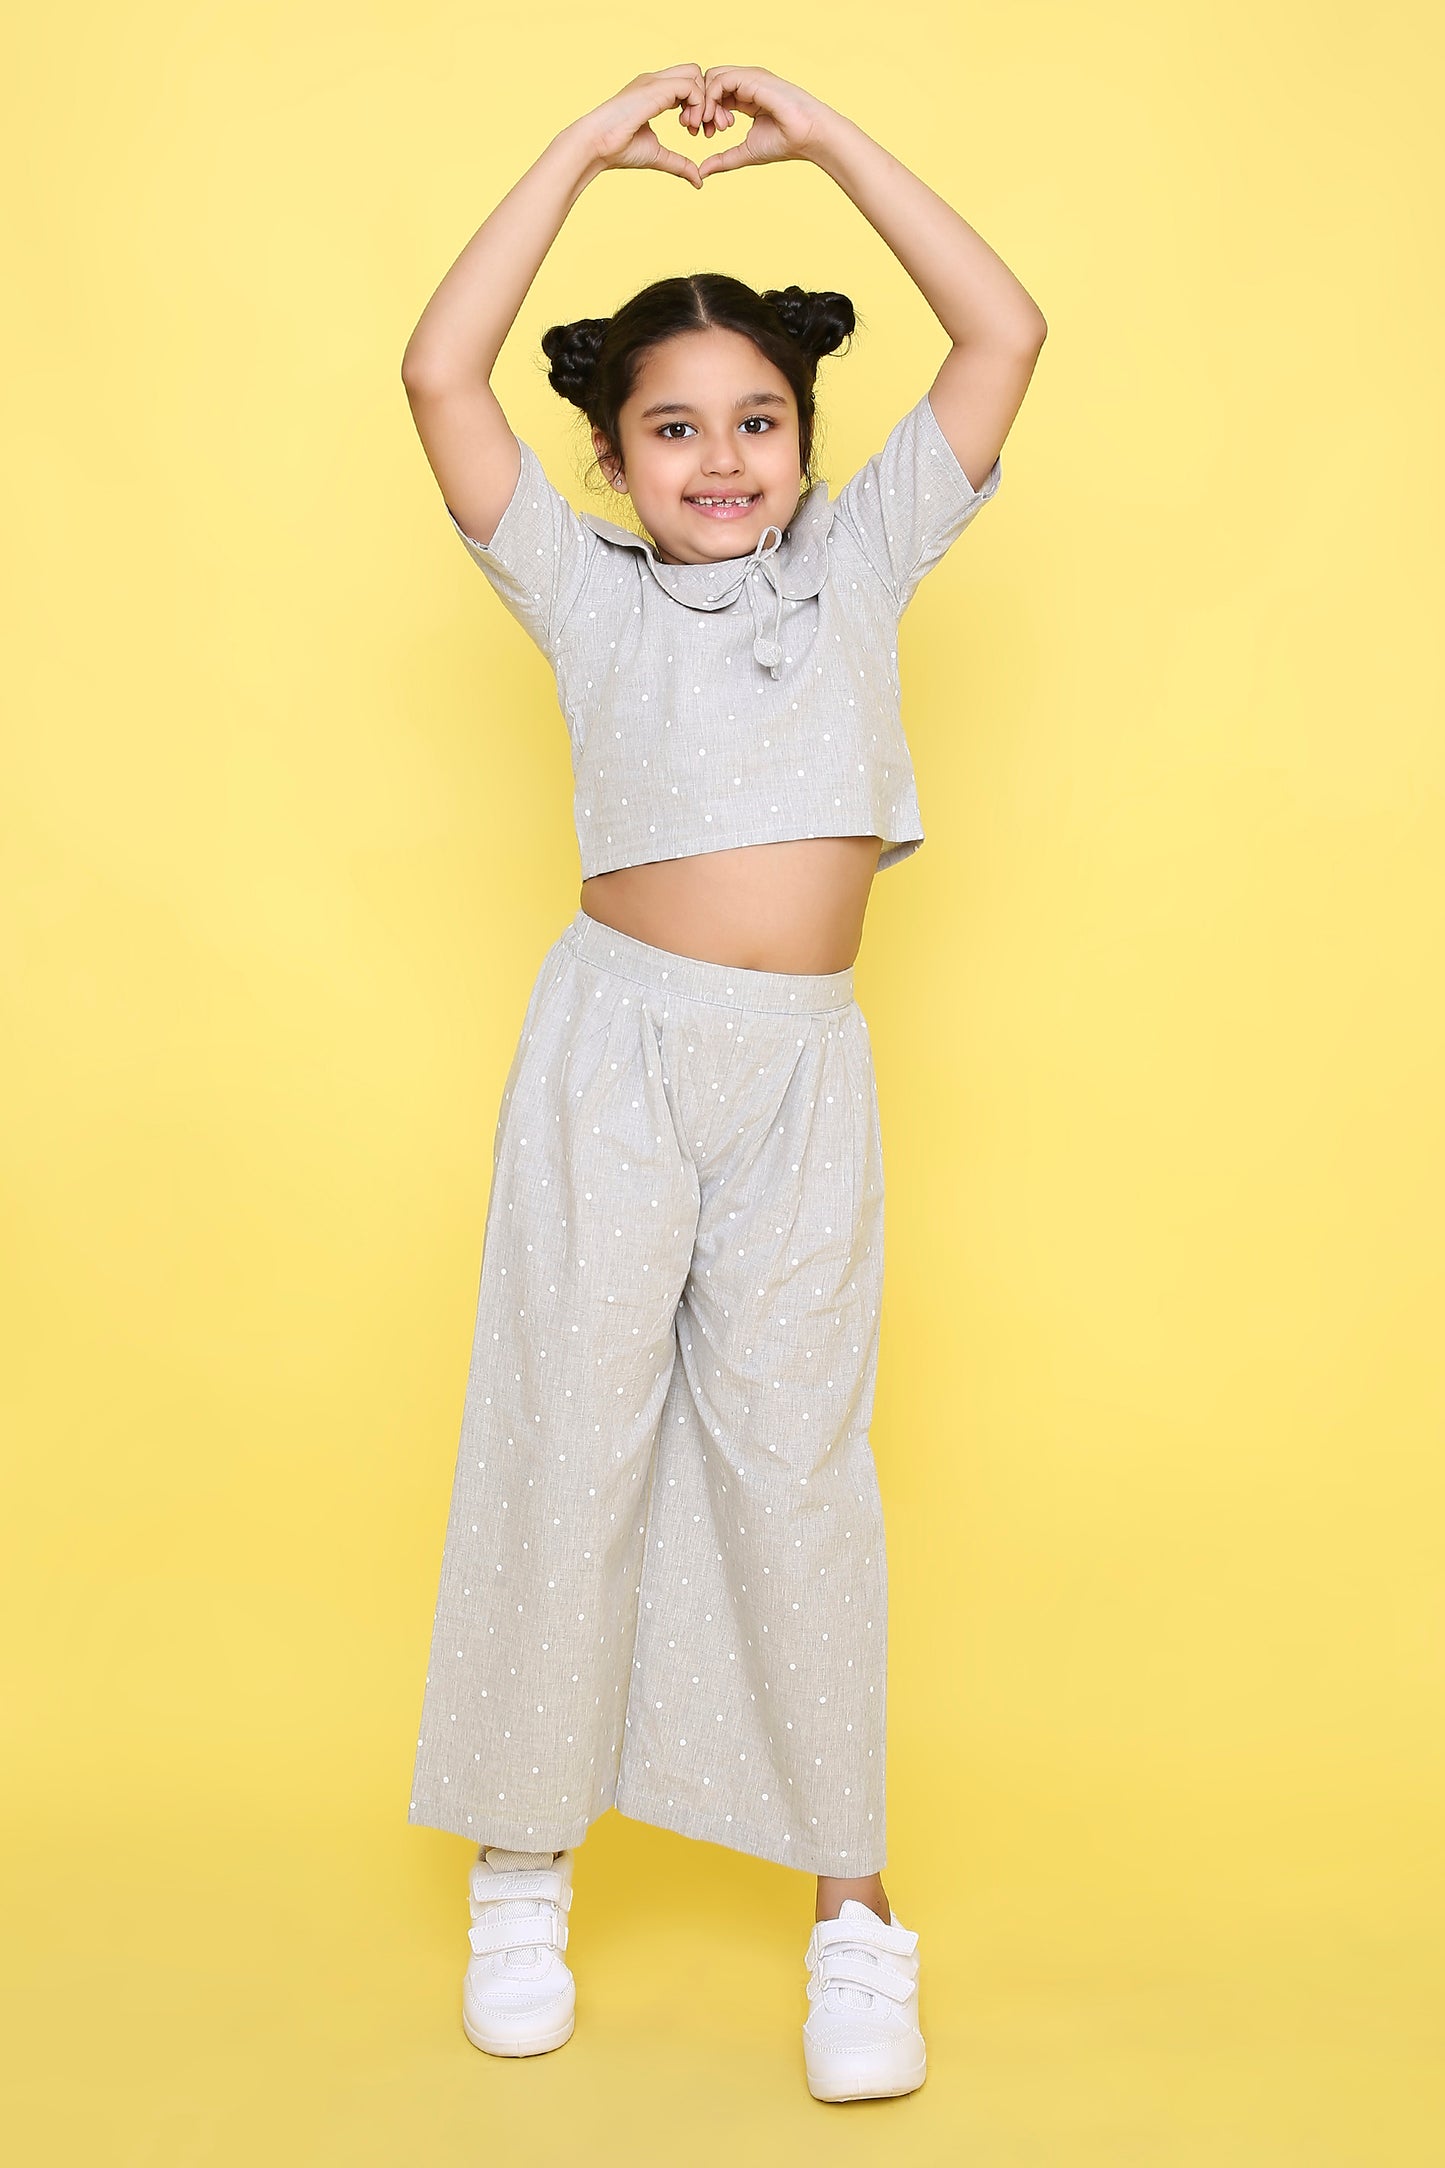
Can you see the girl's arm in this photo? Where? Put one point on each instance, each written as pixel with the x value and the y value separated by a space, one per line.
pixel 450 355
pixel 996 327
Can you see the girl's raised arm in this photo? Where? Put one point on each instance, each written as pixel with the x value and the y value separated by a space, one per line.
pixel 450 355
pixel 996 326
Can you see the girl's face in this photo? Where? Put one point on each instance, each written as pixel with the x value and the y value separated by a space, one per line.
pixel 709 418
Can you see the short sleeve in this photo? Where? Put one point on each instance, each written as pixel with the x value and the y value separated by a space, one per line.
pixel 537 557
pixel 911 501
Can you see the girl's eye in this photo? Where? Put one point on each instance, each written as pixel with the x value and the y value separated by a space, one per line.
pixel 765 419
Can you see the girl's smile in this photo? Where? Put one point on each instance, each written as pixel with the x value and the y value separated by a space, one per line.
pixel 724 507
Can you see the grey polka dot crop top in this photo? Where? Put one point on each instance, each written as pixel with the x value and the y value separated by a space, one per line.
pixel 754 699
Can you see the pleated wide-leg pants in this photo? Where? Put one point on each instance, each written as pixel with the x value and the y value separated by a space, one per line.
pixel 664 1581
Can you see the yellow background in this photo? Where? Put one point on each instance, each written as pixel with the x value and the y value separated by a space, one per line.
pixel 1157 1015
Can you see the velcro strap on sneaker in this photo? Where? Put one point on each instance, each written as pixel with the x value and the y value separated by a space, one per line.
pixel 848 1970
pixel 899 1941
pixel 494 1931
pixel 491 1888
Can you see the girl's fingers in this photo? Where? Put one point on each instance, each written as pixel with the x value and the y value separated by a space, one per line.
pixel 716 118
pixel 730 86
pixel 699 96
pixel 673 162
pixel 725 161
pixel 683 85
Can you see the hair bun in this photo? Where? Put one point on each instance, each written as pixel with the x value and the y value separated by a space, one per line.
pixel 572 349
pixel 819 322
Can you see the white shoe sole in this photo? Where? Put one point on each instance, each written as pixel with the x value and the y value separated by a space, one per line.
pixel 861 2077
pixel 502 2043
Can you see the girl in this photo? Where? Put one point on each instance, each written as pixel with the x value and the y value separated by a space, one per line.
pixel 663 1585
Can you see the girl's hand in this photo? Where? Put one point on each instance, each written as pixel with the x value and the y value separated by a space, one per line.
pixel 619 132
pixel 786 121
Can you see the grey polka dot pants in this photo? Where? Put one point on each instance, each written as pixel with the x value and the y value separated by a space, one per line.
pixel 664 1584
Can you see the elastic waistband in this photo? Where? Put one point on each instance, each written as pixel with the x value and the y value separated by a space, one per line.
pixel 778 993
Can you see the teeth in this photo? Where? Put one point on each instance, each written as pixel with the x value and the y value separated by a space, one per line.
pixel 721 500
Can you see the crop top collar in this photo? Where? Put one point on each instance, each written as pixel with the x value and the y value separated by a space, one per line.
pixel 791 563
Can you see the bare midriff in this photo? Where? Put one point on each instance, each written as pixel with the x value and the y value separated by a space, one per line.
pixel 795 906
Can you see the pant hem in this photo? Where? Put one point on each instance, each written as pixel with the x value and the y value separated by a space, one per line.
pixel 636 1805
pixel 506 1835
pixel 757 1841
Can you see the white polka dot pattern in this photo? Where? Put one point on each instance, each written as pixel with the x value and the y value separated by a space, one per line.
pixel 664 1580
pixel 752 699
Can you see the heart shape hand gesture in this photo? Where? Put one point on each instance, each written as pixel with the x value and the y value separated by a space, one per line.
pixel 785 120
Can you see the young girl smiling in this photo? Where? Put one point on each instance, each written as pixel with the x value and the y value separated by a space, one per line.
pixel 663 1585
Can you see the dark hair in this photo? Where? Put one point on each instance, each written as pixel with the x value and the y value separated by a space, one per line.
pixel 595 361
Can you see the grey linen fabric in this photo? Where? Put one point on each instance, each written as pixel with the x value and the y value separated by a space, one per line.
pixel 664 1581
pixel 751 700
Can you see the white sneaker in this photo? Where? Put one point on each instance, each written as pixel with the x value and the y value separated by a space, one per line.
pixel 519 1998
pixel 861 2039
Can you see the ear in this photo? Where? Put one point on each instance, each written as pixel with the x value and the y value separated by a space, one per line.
pixel 608 460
